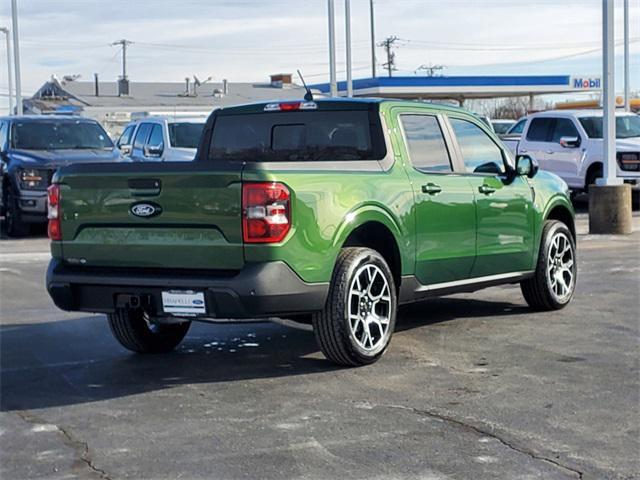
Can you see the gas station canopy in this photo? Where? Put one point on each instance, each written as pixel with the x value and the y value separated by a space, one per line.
pixel 463 87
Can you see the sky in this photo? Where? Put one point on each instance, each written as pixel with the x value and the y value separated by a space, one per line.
pixel 246 40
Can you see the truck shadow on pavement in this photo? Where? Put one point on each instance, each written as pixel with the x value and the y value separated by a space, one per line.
pixel 74 361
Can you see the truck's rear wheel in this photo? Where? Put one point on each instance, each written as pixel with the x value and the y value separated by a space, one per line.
pixel 359 317
pixel 554 281
pixel 136 331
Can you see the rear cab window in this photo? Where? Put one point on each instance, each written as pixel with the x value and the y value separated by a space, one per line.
pixel 299 135
pixel 185 134
pixel 540 129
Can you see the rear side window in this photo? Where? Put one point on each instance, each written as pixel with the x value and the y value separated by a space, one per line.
pixel 540 129
pixel 479 152
pixel 185 134
pixel 141 135
pixel 425 142
pixel 298 136
pixel 564 128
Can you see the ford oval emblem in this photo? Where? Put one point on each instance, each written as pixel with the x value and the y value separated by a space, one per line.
pixel 145 209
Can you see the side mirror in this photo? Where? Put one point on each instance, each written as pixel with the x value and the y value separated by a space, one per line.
pixel 125 149
pixel 153 150
pixel 527 166
pixel 570 142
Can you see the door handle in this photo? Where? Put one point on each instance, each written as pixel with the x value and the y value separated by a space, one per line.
pixel 549 152
pixel 431 188
pixel 486 189
pixel 523 150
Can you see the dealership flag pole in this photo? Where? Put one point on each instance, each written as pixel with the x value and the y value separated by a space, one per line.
pixel 627 106
pixel 347 20
pixel 9 69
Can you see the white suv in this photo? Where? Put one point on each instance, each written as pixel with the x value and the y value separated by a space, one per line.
pixel 161 139
pixel 569 144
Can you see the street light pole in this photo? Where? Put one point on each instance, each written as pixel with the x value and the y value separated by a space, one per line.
pixel 609 198
pixel 347 21
pixel 373 40
pixel 608 95
pixel 332 49
pixel 16 55
pixel 627 106
pixel 5 30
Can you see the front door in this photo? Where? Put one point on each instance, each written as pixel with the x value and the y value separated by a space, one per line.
pixel 504 206
pixel 445 219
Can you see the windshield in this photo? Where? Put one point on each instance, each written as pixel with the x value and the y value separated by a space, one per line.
pixel 627 126
pixel 297 136
pixel 58 135
pixel 501 127
pixel 185 135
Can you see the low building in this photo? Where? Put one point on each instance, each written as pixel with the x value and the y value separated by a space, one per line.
pixel 107 103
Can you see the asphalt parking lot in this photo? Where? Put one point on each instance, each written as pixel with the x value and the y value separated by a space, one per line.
pixel 474 386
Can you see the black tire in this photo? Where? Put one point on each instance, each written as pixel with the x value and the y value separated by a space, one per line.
pixel 538 290
pixel 134 332
pixel 13 224
pixel 332 326
pixel 594 174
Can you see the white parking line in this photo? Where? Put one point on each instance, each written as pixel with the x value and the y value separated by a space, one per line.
pixel 23 257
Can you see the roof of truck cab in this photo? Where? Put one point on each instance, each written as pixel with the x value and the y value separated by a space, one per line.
pixel 361 101
pixel 590 112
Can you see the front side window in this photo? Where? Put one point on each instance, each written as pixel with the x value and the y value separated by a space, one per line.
pixel 125 138
pixel 517 128
pixel 425 142
pixel 3 135
pixel 479 152
pixel 564 128
pixel 627 126
pixel 297 136
pixel 59 135
pixel 155 139
pixel 141 135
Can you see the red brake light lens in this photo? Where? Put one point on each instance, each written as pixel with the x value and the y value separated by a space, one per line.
pixel 266 215
pixel 54 228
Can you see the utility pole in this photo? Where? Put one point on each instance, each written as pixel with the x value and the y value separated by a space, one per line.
pixel 430 69
pixel 124 44
pixel 627 106
pixel 332 49
pixel 373 40
pixel 16 55
pixel 5 30
pixel 388 44
pixel 347 21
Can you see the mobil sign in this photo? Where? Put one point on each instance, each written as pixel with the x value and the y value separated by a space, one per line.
pixel 586 83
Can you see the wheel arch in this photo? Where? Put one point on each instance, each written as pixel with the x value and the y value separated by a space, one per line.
pixel 562 212
pixel 375 228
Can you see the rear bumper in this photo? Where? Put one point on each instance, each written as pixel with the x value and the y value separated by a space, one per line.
pixel 259 290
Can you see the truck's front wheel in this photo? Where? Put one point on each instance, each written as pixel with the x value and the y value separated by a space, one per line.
pixel 136 331
pixel 359 317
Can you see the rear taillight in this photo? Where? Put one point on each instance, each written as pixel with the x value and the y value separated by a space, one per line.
pixel 266 214
pixel 53 200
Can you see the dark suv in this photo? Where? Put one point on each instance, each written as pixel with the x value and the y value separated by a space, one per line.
pixel 31 149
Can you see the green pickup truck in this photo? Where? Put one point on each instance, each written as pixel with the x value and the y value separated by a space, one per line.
pixel 335 211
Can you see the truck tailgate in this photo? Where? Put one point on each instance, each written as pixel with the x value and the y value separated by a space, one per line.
pixel 188 216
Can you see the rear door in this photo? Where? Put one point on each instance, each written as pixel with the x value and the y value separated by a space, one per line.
pixel 153 215
pixel 503 202
pixel 444 202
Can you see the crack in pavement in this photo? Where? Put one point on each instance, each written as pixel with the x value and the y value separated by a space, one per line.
pixel 482 431
pixel 78 446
